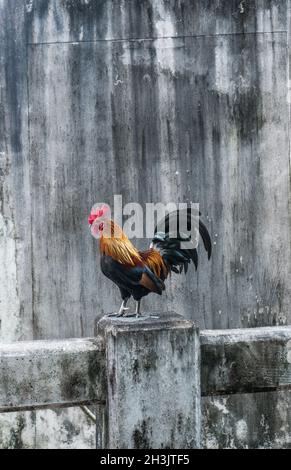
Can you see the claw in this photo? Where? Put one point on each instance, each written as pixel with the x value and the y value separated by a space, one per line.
pixel 121 312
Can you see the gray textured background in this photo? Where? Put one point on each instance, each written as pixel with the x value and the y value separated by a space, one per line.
pixel 157 100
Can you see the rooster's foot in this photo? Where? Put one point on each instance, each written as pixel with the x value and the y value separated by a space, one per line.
pixel 123 314
pixel 121 311
pixel 129 315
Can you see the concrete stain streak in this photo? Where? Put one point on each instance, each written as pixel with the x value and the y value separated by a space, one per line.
pixel 9 299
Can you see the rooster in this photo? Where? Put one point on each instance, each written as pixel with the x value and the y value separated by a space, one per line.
pixel 139 273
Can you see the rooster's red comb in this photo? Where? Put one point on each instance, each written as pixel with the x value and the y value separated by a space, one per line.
pixel 97 211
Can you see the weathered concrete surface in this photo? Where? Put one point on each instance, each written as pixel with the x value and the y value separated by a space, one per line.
pixel 153 382
pixel 202 118
pixel 107 116
pixel 65 372
pixel 47 429
pixel 51 373
pixel 15 227
pixel 249 421
pixel 93 20
pixel 245 360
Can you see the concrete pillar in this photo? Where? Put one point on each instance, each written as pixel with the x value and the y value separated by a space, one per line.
pixel 153 379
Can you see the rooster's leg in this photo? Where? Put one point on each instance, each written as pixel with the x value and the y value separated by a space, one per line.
pixel 137 311
pixel 122 309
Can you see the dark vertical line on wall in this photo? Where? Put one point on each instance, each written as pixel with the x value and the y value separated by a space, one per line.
pixel 30 189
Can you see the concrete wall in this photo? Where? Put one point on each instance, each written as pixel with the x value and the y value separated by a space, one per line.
pixel 156 100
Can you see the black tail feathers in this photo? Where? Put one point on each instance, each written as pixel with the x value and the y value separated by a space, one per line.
pixel 177 247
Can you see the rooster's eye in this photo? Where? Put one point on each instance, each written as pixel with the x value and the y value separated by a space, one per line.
pixel 101 226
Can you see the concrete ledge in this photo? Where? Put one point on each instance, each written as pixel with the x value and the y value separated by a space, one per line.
pixel 163 321
pixel 39 374
pixel 245 360
pixel 145 360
